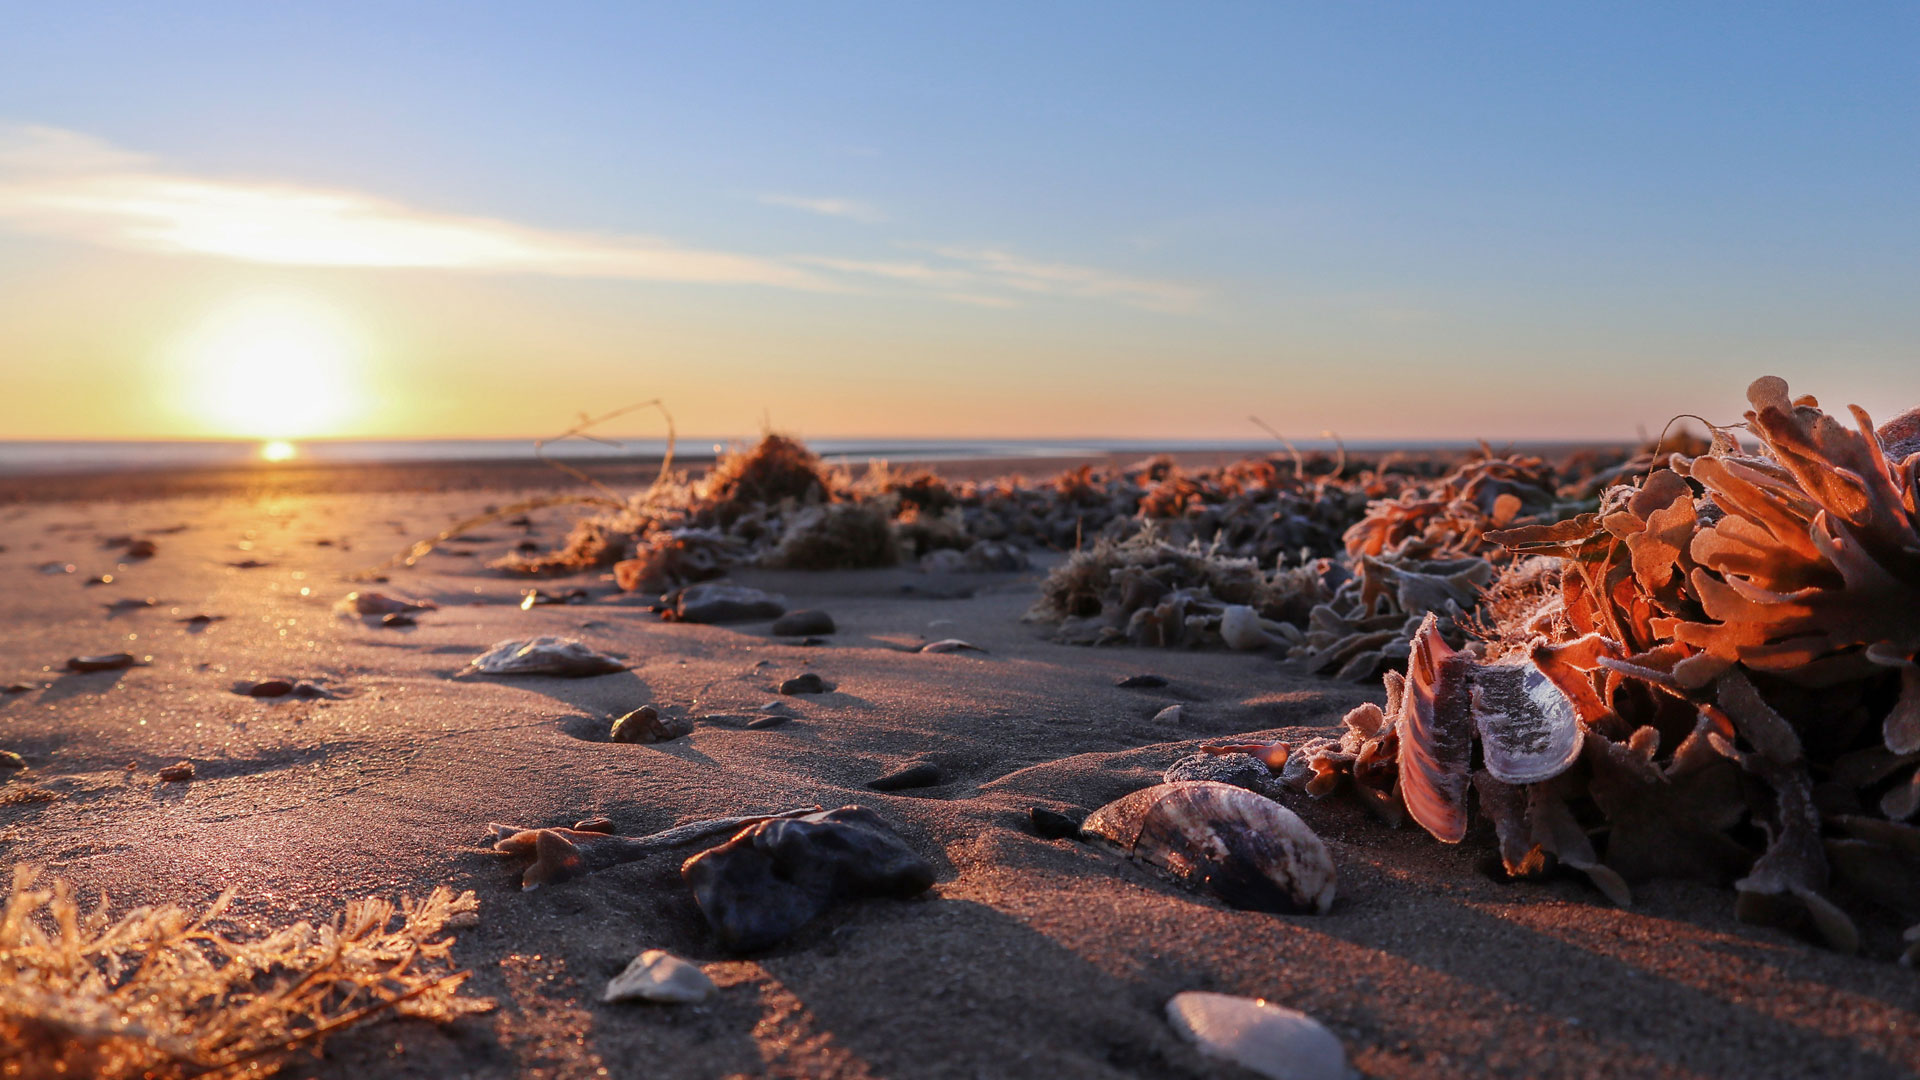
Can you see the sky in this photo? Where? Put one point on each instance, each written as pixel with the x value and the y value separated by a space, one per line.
pixel 983 220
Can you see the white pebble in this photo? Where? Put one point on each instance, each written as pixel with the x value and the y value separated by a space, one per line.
pixel 1268 1039
pixel 657 975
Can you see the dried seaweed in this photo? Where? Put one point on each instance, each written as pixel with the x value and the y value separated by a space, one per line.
pixel 161 992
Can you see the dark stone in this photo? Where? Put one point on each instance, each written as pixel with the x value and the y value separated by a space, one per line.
pixel 142 549
pixel 646 725
pixel 177 773
pixel 17 688
pixel 761 723
pixel 1142 682
pixel 774 877
pixel 594 824
pixel 918 775
pixel 808 683
pixel 11 760
pixel 1240 770
pixel 1053 825
pixel 270 688
pixel 106 662
pixel 714 602
pixel 803 623
pixel 398 618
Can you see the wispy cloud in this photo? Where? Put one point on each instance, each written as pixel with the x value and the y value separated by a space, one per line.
pixel 851 209
pixel 66 184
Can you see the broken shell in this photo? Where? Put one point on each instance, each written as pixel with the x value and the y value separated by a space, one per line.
pixel 1529 731
pixel 177 772
pixel 947 645
pixel 658 975
pixel 646 725
pixel 563 657
pixel 1435 724
pixel 1244 848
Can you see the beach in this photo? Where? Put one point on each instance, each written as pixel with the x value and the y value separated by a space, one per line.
pixel 1028 957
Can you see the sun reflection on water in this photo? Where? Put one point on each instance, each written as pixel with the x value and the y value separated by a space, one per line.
pixel 278 450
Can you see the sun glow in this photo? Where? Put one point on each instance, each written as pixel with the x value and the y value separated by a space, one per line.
pixel 278 450
pixel 272 367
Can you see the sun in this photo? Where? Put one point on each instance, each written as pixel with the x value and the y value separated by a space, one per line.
pixel 272 367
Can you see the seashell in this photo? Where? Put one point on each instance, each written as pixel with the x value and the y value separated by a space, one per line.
pixel 952 644
pixel 1435 723
pixel 1169 715
pixel 646 725
pixel 1259 1036
pixel 1529 731
pixel 563 657
pixel 1244 848
pixel 773 878
pixel 658 975
pixel 1240 770
pixel 366 604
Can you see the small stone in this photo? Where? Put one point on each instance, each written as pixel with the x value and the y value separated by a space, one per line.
pixel 761 723
pixel 919 775
pixel 657 975
pixel 1266 1039
pixel 11 760
pixel 201 620
pixel 104 662
pixel 1142 682
pixel 1169 715
pixel 1052 824
pixel 18 688
pixel 142 549
pixel 177 772
pixel 808 683
pixel 270 688
pixel 803 623
pixel 717 602
pixel 594 824
pixel 646 725
pixel 1240 770
pixel 952 644
pixel 399 618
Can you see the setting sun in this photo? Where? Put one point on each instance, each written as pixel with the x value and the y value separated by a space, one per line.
pixel 273 367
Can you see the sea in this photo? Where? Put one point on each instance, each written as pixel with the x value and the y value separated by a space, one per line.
pixel 20 456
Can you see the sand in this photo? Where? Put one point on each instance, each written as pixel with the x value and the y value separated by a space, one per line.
pixel 1029 957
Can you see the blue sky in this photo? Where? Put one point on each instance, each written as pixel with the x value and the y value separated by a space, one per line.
pixel 1008 219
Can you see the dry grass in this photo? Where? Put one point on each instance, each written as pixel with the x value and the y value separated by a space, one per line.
pixel 160 992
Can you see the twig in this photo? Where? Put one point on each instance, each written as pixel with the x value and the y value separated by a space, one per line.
pixel 1299 464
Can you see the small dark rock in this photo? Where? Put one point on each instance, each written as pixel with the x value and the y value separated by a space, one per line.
pixel 803 623
pixel 918 775
pixel 104 662
pixel 11 760
pixel 761 723
pixel 646 725
pixel 1142 682
pixel 177 772
pixel 141 549
pixel 248 564
pixel 17 688
pixel 807 683
pixel 399 618
pixel 1052 824
pixel 201 620
pixel 774 877
pixel 717 602
pixel 269 688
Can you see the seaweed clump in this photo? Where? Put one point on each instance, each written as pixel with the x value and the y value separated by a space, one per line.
pixel 1723 659
pixel 161 992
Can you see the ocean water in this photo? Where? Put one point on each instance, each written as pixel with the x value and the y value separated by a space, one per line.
pixel 93 456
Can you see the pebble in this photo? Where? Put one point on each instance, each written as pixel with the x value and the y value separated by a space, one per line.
pixel 803 623
pixel 17 688
pixel 270 688
pixel 715 602
pixel 1169 715
pixel 104 662
pixel 1266 1039
pixel 11 760
pixel 177 772
pixel 1052 824
pixel 399 618
pixel 808 683
pixel 1142 682
pixel 594 824
pixel 659 976
pixel 646 725
pixel 918 775
pixel 761 723
pixel 142 549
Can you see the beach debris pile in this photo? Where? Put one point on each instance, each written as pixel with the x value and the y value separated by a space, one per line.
pixel 162 992
pixel 773 874
pixel 1713 676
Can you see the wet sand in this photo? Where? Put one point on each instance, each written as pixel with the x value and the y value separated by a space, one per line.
pixel 1030 957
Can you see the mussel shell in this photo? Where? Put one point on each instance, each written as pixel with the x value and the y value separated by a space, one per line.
pixel 1243 848
pixel 1529 731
